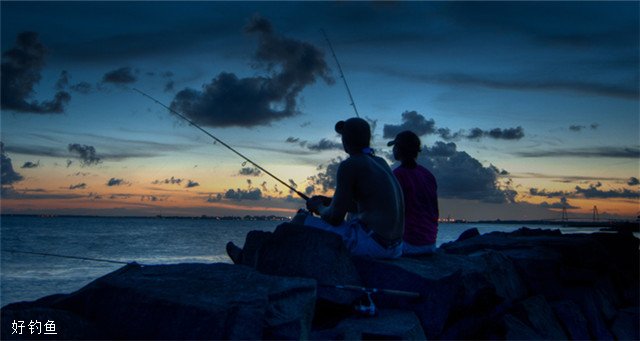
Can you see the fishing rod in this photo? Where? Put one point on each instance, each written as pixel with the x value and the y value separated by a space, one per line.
pixel 353 103
pixel 300 194
pixel 66 256
pixel 403 293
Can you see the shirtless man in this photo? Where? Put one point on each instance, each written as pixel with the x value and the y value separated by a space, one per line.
pixel 367 189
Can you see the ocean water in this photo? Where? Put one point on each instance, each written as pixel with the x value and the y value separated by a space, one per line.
pixel 143 240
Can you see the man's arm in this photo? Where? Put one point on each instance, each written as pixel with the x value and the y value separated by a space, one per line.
pixel 343 197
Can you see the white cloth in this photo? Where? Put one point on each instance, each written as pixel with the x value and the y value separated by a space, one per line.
pixel 355 238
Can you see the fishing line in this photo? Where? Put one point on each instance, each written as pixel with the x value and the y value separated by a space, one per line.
pixel 353 103
pixel 300 194
pixel 70 257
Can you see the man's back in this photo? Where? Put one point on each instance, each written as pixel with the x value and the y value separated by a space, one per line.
pixel 369 182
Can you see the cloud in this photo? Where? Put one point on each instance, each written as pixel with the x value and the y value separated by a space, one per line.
pixel 123 75
pixel 63 81
pixel 498 171
pixel 293 183
pixel 150 198
pixel 94 196
pixel 633 181
pixel 250 171
pixel 506 134
pixel 115 182
pixel 116 196
pixel 36 194
pixel 21 71
pixel 240 194
pixel 191 183
pixel 594 192
pixel 613 152
pixel 576 128
pixel 562 203
pixel 441 149
pixel 8 176
pixel 217 198
pixel 169 86
pixel 82 87
pixel 116 149
pixel 78 186
pixel 309 189
pixel 325 144
pixel 86 154
pixel 626 90
pixel 460 176
pixel 30 164
pixel 170 181
pixel 245 102
pixel 592 88
pixel 544 193
pixel 326 177
pixel 496 133
pixel 413 121
pixel 445 134
pixel 292 139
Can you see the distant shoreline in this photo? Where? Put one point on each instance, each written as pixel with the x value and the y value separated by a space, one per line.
pixel 603 223
pixel 612 225
pixel 248 218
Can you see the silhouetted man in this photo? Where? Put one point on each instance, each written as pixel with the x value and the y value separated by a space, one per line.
pixel 420 196
pixel 367 189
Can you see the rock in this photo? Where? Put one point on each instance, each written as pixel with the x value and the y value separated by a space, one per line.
pixel 299 251
pixel 467 234
pixel 572 319
pixel 626 325
pixel 539 270
pixel 438 281
pixel 586 299
pixel 388 324
pixel 537 312
pixel 501 272
pixel 518 330
pixel 527 232
pixel 452 287
pixel 195 301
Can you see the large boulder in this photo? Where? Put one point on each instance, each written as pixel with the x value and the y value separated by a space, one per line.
pixel 458 294
pixel 626 325
pixel 572 320
pixel 299 251
pixel 537 313
pixel 194 301
pixel 387 324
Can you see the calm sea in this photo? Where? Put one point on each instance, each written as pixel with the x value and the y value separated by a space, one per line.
pixel 144 240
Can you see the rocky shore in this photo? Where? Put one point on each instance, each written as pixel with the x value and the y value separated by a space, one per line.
pixel 528 284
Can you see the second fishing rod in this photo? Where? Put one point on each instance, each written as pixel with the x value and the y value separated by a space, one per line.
pixel 300 194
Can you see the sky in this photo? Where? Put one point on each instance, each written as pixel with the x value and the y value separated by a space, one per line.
pixel 523 108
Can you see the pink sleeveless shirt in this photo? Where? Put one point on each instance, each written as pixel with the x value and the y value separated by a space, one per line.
pixel 420 204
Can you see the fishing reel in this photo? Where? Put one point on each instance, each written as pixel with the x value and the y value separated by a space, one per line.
pixel 364 306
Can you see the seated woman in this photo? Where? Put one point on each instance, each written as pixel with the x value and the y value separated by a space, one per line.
pixel 420 192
